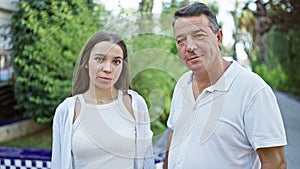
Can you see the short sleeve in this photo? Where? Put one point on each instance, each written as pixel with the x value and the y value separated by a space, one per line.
pixel 263 122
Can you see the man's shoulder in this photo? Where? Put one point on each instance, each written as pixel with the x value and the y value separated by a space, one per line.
pixel 185 78
pixel 250 77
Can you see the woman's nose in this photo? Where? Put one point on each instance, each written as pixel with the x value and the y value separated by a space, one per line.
pixel 107 67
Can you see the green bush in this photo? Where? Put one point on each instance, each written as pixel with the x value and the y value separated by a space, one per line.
pixel 156 87
pixel 282 70
pixel 154 69
pixel 46 38
pixel 284 46
pixel 275 77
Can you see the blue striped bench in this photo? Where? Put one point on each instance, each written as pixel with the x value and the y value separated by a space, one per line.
pixel 24 158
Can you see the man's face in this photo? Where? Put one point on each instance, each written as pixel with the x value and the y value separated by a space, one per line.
pixel 197 45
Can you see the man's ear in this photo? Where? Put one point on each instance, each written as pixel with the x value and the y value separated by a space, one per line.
pixel 219 37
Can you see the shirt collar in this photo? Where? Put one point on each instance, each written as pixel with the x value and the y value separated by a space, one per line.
pixel 223 84
pixel 225 81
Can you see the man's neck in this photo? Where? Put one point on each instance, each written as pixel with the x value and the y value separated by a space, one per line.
pixel 204 79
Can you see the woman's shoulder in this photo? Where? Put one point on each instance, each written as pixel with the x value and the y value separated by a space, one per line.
pixel 66 104
pixel 137 99
pixel 65 109
pixel 135 95
pixel 130 91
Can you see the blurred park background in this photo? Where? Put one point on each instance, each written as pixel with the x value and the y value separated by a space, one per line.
pixel 40 41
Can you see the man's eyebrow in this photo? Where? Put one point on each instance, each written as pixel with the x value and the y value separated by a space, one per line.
pixel 198 30
pixel 192 32
pixel 179 36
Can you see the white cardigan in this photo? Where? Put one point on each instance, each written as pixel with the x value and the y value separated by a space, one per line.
pixel 62 134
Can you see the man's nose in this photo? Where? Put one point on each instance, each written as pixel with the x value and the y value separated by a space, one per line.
pixel 190 44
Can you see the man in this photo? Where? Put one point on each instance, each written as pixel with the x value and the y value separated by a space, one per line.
pixel 222 115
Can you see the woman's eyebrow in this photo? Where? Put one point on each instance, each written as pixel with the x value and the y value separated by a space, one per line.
pixel 101 54
pixel 104 55
pixel 118 57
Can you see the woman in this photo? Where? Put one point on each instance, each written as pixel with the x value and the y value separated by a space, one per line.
pixel 104 124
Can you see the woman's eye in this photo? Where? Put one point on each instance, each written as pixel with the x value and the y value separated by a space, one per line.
pixel 117 62
pixel 99 59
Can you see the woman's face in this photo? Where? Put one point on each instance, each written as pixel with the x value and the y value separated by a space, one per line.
pixel 105 65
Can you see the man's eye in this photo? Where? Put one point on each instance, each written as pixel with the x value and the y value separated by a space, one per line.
pixel 198 35
pixel 180 41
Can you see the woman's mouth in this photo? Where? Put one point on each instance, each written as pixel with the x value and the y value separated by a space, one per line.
pixel 105 79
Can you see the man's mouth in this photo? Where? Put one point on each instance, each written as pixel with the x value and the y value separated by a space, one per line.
pixel 192 58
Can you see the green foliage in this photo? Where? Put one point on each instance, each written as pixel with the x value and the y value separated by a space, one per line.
pixel 272 72
pixel 153 41
pixel 284 46
pixel 172 6
pixel 146 6
pixel 281 27
pixel 282 70
pixel 275 77
pixel 154 70
pixel 47 37
pixel 157 94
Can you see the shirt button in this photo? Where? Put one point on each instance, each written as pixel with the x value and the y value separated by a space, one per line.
pixel 179 162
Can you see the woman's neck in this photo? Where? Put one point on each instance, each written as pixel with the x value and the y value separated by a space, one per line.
pixel 101 94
